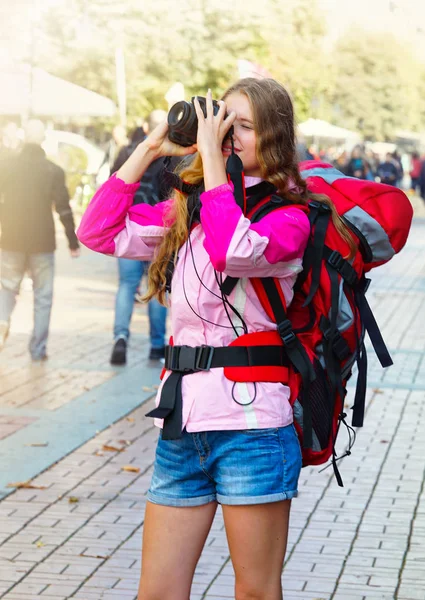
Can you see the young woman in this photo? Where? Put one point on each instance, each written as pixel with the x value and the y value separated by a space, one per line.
pixel 235 442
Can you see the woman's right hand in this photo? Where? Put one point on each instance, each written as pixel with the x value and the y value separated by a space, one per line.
pixel 160 146
pixel 156 145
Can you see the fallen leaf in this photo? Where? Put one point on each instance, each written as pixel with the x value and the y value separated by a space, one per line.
pixel 130 419
pixel 385 442
pixel 377 391
pixel 130 469
pixel 125 442
pixel 73 499
pixel 112 448
pixel 39 544
pixel 155 387
pixel 145 388
pixel 94 556
pixel 99 453
pixel 27 485
pixel 38 445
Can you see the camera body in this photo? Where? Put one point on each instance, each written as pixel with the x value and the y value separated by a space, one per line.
pixel 183 121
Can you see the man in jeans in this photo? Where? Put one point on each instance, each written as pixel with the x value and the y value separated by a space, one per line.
pixel 132 271
pixel 130 275
pixel 30 186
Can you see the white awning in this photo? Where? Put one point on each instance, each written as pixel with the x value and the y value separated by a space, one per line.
pixel 50 96
pixel 323 129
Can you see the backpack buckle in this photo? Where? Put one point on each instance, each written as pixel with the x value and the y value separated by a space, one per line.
pixel 286 333
pixel 204 358
pixel 348 274
pixel 320 206
pixel 180 358
pixel 343 267
pixel 335 260
pixel 338 344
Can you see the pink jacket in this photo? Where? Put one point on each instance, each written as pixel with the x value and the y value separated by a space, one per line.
pixel 229 243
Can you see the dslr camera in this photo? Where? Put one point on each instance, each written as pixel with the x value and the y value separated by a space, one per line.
pixel 183 121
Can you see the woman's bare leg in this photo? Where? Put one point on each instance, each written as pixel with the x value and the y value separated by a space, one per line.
pixel 173 539
pixel 257 535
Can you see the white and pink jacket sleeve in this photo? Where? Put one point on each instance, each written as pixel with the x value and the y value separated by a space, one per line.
pixel 245 249
pixel 112 225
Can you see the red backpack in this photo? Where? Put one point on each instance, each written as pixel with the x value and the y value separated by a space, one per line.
pixel 323 329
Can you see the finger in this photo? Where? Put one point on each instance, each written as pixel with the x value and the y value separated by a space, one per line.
pixel 160 132
pixel 210 108
pixel 198 109
pixel 228 121
pixel 161 127
pixel 222 109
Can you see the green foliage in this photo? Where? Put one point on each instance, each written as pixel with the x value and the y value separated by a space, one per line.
pixel 378 85
pixel 369 82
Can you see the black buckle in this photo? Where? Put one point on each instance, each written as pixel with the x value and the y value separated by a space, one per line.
pixel 339 346
pixel 343 267
pixel 349 274
pixel 320 206
pixel 335 260
pixel 185 359
pixel 286 333
pixel 180 358
pixel 204 358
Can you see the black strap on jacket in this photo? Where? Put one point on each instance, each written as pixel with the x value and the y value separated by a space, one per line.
pixel 295 353
pixel 264 189
pixel 184 360
pixel 319 216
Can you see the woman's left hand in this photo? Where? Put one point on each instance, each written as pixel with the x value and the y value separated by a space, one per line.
pixel 212 128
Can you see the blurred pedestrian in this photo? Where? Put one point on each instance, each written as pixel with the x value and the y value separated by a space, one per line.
pixel 30 186
pixel 422 180
pixel 10 143
pixel 388 171
pixel 340 162
pixel 303 152
pixel 399 166
pixel 357 165
pixel 415 171
pixel 131 271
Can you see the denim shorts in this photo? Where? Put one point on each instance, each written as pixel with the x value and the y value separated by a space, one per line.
pixel 252 466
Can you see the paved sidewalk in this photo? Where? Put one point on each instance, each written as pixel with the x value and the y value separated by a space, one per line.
pixel 77 532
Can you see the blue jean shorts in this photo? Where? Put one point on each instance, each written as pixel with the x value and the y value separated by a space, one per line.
pixel 252 466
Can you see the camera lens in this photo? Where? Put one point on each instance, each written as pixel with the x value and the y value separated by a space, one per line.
pixel 182 124
pixel 178 113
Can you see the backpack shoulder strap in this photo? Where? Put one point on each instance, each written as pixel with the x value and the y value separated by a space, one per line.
pixel 295 351
pixel 261 210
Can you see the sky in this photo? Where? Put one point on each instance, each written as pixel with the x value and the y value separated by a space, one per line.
pixel 404 18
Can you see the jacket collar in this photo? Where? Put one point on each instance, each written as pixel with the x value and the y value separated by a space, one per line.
pixel 33 150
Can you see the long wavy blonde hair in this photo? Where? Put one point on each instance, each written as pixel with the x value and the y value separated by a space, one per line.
pixel 274 124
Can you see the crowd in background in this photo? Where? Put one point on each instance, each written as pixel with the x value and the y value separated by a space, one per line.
pixel 396 168
pixel 406 170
